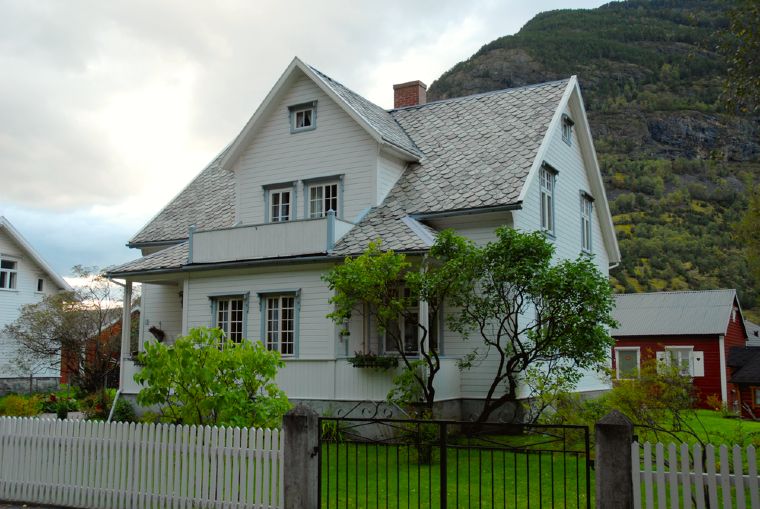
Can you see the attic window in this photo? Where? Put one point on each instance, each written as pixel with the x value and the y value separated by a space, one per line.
pixel 567 129
pixel 303 117
pixel 8 274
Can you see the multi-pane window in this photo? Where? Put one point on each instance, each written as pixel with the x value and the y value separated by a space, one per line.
pixel 547 200
pixel 407 330
pixel 280 206
pixel 8 274
pixel 680 358
pixel 322 197
pixel 627 362
pixel 567 129
pixel 229 318
pixel 281 323
pixel 586 214
pixel 303 118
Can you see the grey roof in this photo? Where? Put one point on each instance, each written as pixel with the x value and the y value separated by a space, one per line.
pixel 172 257
pixel 476 152
pixel 208 202
pixel 673 313
pixel 753 333
pixel 377 117
pixel 747 360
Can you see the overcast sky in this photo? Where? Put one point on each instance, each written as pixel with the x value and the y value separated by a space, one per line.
pixel 108 109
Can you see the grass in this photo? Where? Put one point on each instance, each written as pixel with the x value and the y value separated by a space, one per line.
pixel 377 475
pixel 712 427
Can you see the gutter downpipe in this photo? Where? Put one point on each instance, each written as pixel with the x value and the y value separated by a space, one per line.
pixel 113 405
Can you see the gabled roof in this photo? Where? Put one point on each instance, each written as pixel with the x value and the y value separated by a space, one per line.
pixel 474 152
pixel 33 254
pixel 673 313
pixel 372 118
pixel 747 362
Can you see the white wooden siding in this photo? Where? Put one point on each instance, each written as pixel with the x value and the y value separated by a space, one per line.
pixel 340 381
pixel 389 170
pixel 161 306
pixel 337 146
pixel 571 180
pixel 11 301
pixel 317 335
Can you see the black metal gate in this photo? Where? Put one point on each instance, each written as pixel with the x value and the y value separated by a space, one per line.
pixel 389 463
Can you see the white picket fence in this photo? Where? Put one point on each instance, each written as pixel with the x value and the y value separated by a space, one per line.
pixel 127 465
pixel 683 476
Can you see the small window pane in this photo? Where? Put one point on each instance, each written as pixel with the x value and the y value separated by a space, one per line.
pixel 40 284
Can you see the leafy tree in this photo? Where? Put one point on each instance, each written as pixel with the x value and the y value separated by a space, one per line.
pixel 387 287
pixel 67 328
pixel 527 311
pixel 742 47
pixel 204 378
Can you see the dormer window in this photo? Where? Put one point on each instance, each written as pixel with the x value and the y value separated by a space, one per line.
pixel 567 129
pixel 303 117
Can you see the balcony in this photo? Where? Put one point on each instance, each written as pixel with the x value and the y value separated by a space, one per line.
pixel 270 240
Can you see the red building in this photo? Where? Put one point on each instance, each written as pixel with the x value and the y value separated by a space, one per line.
pixel 745 366
pixel 694 330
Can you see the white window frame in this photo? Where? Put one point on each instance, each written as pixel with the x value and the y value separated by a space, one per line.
pixel 679 351
pixel 277 205
pixel 233 328
pixel 619 349
pixel 320 201
pixel 280 331
pixel 587 214
pixel 8 275
pixel 435 330
pixel 298 114
pixel 547 184
pixel 567 129
pixel 40 285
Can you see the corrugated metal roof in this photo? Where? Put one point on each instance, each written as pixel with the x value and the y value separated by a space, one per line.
pixel 673 313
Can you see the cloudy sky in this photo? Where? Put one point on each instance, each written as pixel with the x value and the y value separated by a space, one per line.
pixel 109 108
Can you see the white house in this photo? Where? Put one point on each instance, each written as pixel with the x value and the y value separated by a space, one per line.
pixel 243 246
pixel 24 279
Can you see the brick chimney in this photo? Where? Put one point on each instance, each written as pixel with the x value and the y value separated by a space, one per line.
pixel 411 93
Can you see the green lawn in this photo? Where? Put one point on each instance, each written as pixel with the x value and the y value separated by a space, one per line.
pixel 379 476
pixel 712 427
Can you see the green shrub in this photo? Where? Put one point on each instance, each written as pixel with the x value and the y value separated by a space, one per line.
pixel 205 378
pixel 124 411
pixel 21 406
pixel 96 406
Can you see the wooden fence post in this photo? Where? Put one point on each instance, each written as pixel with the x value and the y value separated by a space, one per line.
pixel 300 429
pixel 614 481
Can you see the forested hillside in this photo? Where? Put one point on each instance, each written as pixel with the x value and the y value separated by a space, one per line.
pixel 678 168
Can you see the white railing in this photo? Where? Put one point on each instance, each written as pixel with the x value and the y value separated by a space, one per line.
pixel 127 465
pixel 269 240
pixel 690 476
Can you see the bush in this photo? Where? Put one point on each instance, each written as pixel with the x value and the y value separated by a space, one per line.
pixel 124 411
pixel 21 406
pixel 96 406
pixel 206 379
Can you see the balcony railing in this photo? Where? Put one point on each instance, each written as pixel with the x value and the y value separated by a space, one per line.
pixel 270 240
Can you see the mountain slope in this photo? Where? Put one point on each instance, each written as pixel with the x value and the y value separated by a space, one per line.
pixel 677 168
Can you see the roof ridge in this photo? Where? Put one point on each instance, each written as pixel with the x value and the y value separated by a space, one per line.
pixel 673 292
pixel 480 94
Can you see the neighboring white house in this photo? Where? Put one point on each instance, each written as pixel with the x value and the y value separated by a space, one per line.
pixel 24 279
pixel 244 245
